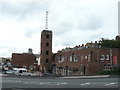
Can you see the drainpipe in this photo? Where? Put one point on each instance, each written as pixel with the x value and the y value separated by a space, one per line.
pixel 111 57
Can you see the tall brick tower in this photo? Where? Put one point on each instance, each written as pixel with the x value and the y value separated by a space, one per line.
pixel 46 50
pixel 46 47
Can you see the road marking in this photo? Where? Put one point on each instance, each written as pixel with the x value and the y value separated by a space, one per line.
pixel 109 84
pixel 44 83
pixel 25 82
pixel 53 83
pixel 58 84
pixel 63 83
pixel 85 84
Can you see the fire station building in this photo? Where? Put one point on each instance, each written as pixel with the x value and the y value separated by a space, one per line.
pixel 88 59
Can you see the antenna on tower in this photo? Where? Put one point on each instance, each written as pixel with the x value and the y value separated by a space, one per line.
pixel 46 24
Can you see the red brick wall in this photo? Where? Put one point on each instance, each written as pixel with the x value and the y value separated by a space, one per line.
pixel 24 59
pixel 44 48
pixel 93 66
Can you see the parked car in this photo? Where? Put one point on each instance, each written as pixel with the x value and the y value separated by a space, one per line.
pixel 10 72
pixel 21 71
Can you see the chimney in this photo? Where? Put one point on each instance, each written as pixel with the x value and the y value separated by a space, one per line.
pixel 82 45
pixel 30 50
pixel 96 42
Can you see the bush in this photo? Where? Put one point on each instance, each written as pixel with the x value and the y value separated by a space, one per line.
pixel 110 72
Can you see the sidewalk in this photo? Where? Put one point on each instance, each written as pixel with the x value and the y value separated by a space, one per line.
pixel 79 77
pixel 2 75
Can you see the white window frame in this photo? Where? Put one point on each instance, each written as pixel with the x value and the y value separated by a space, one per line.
pixel 86 57
pixel 75 58
pixel 107 57
pixel 62 58
pixel 102 57
pixel 89 57
pixel 82 57
pixel 70 59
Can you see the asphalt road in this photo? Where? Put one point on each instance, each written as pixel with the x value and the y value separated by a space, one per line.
pixel 51 82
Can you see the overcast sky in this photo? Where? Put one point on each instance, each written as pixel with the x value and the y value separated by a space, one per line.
pixel 73 22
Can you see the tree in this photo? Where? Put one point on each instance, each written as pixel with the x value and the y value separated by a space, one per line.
pixel 109 43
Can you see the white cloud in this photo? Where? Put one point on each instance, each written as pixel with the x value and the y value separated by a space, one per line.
pixel 73 22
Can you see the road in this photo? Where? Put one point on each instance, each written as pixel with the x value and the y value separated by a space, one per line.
pixel 52 82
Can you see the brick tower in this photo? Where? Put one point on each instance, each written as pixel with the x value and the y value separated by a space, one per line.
pixel 46 50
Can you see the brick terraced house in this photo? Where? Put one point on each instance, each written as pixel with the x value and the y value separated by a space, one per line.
pixel 86 59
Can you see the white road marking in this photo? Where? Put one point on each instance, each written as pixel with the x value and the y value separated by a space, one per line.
pixel 84 84
pixel 58 84
pixel 53 83
pixel 109 84
pixel 44 83
pixel 63 83
pixel 25 82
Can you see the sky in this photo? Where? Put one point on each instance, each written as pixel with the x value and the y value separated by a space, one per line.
pixel 73 22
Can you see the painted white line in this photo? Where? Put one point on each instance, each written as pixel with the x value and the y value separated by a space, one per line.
pixel 63 83
pixel 58 84
pixel 109 84
pixel 25 82
pixel 44 83
pixel 85 84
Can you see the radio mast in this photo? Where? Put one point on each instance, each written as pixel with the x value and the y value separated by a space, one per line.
pixel 46 23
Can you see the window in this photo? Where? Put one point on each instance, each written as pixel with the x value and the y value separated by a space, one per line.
pixel 76 58
pixel 82 58
pixel 102 57
pixel 67 58
pixel 85 57
pixel 47 36
pixel 62 58
pixel 107 57
pixel 47 52
pixel 89 57
pixel 56 58
pixel 46 61
pixel 70 58
pixel 47 44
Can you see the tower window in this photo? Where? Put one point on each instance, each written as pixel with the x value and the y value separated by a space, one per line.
pixel 47 36
pixel 46 61
pixel 47 44
pixel 47 52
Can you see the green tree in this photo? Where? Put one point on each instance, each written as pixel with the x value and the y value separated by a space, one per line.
pixel 109 43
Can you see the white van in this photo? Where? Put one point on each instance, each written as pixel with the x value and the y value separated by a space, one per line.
pixel 21 71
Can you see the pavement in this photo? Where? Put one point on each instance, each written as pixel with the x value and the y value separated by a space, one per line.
pixel 77 77
pixel 74 77
pixel 1 75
